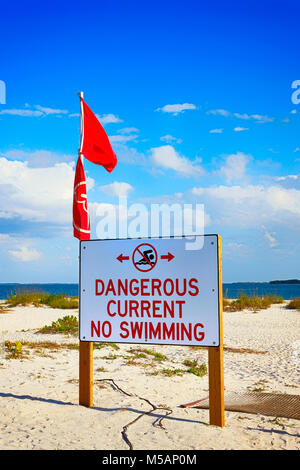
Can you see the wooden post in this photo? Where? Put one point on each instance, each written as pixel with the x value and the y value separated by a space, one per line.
pixel 85 347
pixel 216 363
pixel 86 373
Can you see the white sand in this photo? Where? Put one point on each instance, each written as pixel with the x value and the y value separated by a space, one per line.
pixel 39 395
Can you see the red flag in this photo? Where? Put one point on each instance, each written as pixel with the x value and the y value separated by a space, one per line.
pixel 81 219
pixel 95 145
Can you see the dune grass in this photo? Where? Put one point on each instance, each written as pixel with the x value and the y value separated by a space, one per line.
pixel 40 345
pixel 194 368
pixel 66 325
pixel 253 303
pixel 171 372
pixel 144 352
pixel 39 299
pixel 294 304
pixel 14 350
pixel 200 370
pixel 3 309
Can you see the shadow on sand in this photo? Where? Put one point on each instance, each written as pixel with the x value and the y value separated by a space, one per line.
pixel 97 408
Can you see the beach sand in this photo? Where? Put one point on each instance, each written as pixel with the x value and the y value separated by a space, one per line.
pixel 39 394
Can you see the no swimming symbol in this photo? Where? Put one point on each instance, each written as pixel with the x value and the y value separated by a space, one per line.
pixel 144 257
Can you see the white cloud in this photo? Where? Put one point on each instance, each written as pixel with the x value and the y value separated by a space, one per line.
pixel 46 111
pixel 166 157
pixel 235 167
pixel 128 130
pixel 105 119
pixel 169 139
pixel 128 154
pixel 235 245
pixel 271 239
pixel 176 108
pixel 108 119
pixel 282 199
pixel 283 178
pixel 4 237
pixel 246 206
pixel 117 188
pixel 257 117
pixel 240 129
pixel 37 194
pixel 22 112
pixel 216 131
pixel 50 110
pixel 219 112
pixel 25 254
pixel 37 158
pixel 122 138
pixel 37 112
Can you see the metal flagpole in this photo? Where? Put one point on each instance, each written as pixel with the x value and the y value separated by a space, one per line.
pixel 80 94
pixel 85 347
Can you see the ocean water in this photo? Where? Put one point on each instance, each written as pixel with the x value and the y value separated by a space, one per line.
pixel 287 291
pixel 6 290
pixel 231 291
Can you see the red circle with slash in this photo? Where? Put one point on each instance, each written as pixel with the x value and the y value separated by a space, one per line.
pixel 142 257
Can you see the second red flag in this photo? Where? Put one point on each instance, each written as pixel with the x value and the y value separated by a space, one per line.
pixel 95 145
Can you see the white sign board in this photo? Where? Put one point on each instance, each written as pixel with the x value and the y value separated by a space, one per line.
pixel 155 290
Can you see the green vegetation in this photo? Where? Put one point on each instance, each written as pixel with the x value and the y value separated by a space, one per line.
pixel 39 299
pixel 142 353
pixel 111 356
pixel 197 369
pixel 259 386
pixel 65 325
pixel 14 350
pixel 190 363
pixel 172 372
pixel 226 304
pixel 101 369
pixel 294 304
pixel 281 422
pixel 157 356
pixel 257 389
pixel 39 345
pixel 193 368
pixel 133 362
pixel 253 303
pixel 62 301
pixel 104 345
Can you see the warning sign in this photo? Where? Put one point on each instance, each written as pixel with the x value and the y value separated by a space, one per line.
pixel 150 291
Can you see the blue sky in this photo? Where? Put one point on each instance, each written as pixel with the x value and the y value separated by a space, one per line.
pixel 196 100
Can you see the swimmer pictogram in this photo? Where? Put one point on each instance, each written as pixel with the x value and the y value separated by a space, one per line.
pixel 144 257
